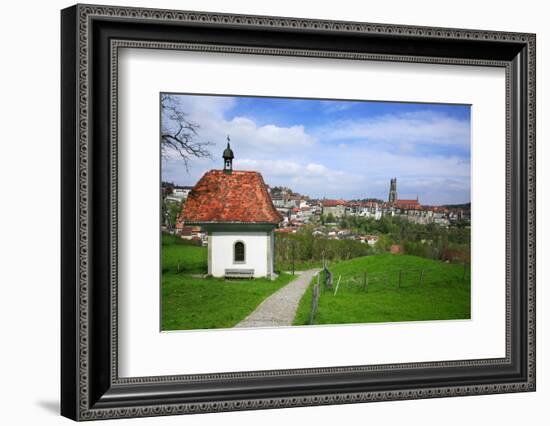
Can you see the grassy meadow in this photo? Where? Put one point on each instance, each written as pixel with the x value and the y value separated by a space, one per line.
pixel 399 288
pixel 180 256
pixel 191 302
pixel 441 292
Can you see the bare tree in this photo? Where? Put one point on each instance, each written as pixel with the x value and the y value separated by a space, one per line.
pixel 179 134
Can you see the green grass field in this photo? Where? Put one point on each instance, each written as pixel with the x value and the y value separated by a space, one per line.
pixel 443 294
pixel 190 302
pixel 300 265
pixel 181 256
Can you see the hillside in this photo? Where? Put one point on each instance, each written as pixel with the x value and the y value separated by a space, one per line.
pixel 465 206
pixel 427 290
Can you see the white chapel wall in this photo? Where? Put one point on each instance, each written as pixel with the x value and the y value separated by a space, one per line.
pixel 256 244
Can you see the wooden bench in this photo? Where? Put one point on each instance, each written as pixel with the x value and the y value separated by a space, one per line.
pixel 239 273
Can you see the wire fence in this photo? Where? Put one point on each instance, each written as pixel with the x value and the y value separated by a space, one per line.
pixel 402 278
pixel 389 280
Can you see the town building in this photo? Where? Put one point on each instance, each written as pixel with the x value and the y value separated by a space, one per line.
pixel 235 210
pixel 396 202
pixel 335 207
pixel 407 204
pixel 181 192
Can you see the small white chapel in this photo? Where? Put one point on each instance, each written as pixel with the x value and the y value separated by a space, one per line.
pixel 235 209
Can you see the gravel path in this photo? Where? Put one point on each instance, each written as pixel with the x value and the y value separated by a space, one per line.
pixel 280 308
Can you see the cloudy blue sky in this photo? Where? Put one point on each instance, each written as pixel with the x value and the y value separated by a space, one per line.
pixel 335 149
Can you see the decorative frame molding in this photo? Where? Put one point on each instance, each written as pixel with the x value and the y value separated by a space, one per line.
pixel 91 37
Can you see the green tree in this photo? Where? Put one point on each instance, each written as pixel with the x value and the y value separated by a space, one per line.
pixel 171 211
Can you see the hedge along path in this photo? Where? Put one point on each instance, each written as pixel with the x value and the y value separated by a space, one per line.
pixel 280 308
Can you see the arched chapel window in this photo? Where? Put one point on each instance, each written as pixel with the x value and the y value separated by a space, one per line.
pixel 239 252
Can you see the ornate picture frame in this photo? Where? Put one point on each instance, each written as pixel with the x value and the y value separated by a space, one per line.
pixel 91 37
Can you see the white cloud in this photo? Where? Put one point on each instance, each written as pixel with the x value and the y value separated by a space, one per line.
pixel 349 159
pixel 405 129
pixel 312 179
pixel 246 136
pixel 248 139
pixel 279 168
pixel 211 106
pixel 245 132
pixel 330 107
pixel 433 178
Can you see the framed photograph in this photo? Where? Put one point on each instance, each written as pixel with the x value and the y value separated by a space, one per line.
pixel 263 212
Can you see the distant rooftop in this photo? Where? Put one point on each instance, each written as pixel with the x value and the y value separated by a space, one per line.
pixel 334 203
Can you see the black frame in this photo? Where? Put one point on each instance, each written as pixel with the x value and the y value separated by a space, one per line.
pixel 90 387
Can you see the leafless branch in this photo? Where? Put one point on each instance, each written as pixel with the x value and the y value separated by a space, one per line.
pixel 179 134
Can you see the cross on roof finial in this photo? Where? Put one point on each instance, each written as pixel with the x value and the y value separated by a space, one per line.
pixel 228 139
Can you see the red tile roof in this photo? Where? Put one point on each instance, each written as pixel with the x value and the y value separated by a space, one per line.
pixel 237 197
pixel 288 230
pixel 190 230
pixel 333 203
pixel 407 203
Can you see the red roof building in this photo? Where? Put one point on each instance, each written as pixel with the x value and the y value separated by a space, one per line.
pixel 236 212
pixel 189 232
pixel 334 203
pixel 236 197
pixel 407 204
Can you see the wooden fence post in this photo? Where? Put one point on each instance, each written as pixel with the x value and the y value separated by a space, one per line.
pixel 314 303
pixel 421 276
pixel 329 279
pixel 293 254
pixel 337 285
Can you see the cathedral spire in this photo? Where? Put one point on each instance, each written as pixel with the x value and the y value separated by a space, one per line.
pixel 392 197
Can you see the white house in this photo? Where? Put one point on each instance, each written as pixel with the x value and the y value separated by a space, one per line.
pixel 181 192
pixel 234 208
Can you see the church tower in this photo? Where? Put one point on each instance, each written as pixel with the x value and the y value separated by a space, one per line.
pixel 392 198
pixel 228 158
